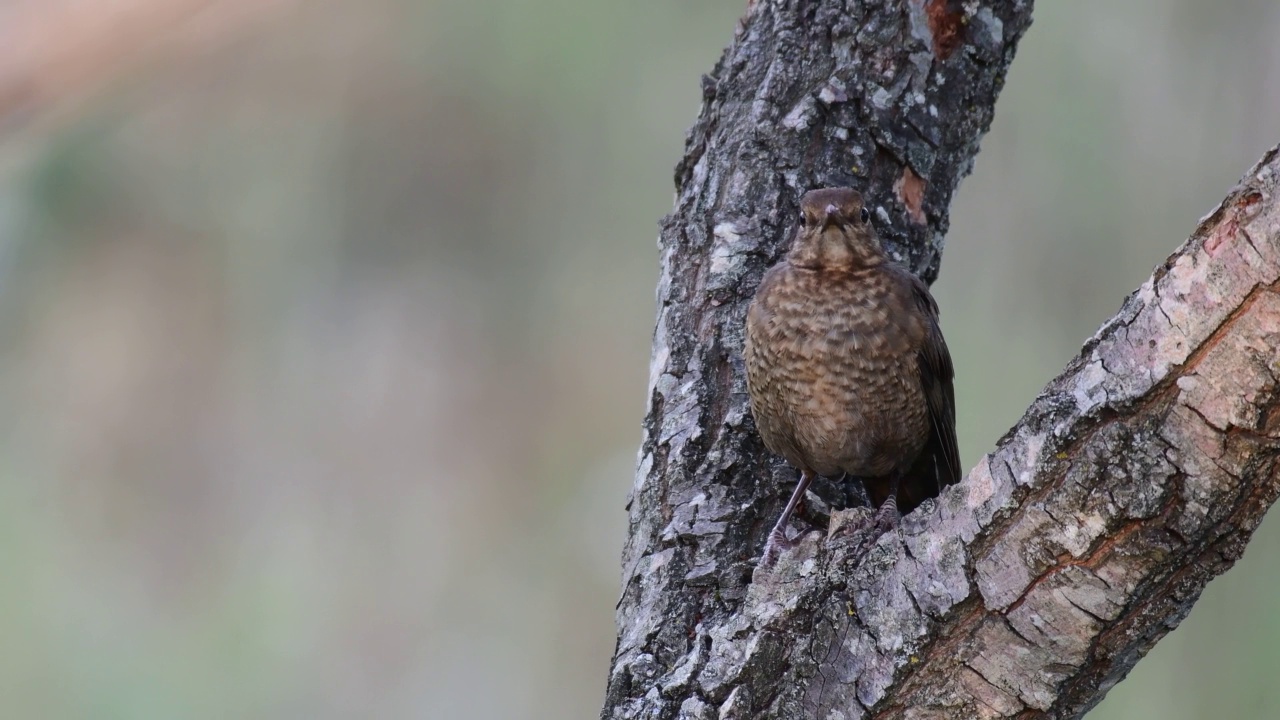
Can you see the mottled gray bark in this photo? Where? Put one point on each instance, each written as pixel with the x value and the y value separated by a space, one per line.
pixel 1035 584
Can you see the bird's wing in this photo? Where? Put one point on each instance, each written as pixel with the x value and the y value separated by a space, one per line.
pixel 937 375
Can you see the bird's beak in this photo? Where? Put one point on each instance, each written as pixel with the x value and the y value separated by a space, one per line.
pixel 831 215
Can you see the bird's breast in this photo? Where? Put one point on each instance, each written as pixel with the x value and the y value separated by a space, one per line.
pixel 832 369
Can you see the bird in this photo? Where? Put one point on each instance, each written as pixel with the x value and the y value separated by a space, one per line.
pixel 847 369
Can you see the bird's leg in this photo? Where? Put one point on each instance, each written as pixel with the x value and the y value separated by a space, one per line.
pixel 778 535
pixel 886 518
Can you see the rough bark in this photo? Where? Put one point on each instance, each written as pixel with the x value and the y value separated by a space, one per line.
pixel 1035 584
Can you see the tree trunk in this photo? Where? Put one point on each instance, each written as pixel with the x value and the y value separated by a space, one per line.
pixel 1034 585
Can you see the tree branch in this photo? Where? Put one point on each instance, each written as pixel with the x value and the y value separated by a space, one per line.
pixel 1035 584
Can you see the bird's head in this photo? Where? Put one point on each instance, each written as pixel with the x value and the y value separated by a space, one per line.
pixel 835 232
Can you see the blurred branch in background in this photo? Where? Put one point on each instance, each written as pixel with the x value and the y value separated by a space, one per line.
pixel 54 54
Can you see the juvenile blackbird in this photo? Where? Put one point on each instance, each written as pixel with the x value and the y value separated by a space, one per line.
pixel 846 365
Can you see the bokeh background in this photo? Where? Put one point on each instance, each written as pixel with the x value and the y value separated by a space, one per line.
pixel 324 331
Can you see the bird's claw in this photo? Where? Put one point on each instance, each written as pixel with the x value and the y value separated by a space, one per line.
pixel 886 519
pixel 774 546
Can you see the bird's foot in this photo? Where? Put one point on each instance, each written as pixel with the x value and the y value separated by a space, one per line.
pixel 886 518
pixel 778 536
pixel 774 546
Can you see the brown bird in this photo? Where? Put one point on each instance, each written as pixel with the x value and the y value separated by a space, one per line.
pixel 846 365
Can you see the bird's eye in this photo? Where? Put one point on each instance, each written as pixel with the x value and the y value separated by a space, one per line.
pixel 804 220
pixel 865 215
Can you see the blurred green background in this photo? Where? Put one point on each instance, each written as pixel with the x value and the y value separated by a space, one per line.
pixel 324 331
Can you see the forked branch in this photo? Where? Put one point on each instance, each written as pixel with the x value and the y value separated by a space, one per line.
pixel 1035 584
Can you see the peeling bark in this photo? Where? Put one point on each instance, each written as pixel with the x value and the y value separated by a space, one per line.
pixel 1033 586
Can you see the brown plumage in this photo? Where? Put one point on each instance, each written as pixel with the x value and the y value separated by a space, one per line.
pixel 846 365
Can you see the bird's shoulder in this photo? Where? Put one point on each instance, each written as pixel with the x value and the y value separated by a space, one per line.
pixel 910 288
